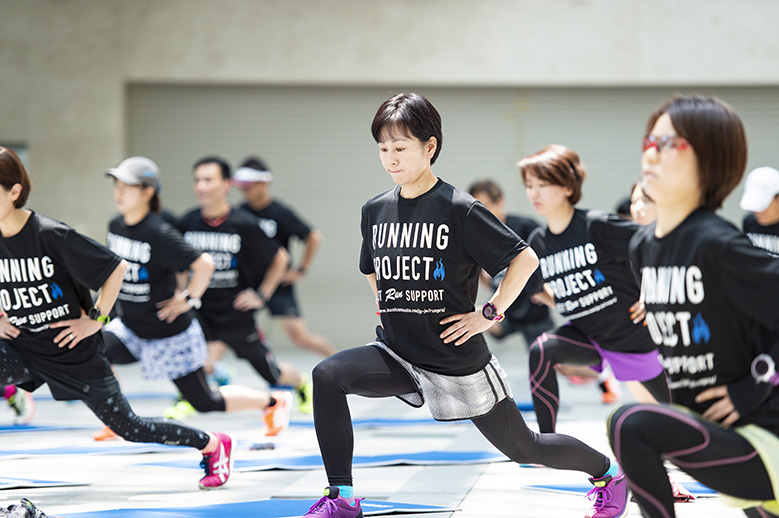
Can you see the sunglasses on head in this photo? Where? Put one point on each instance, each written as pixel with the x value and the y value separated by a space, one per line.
pixel 664 142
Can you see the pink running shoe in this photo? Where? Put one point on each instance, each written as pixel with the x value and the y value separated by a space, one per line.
pixel 218 465
pixel 334 506
pixel 611 497
pixel 681 494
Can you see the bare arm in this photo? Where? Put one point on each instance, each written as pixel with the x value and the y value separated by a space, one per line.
pixel 312 243
pixel 73 331
pixel 202 269
pixel 466 325
pixel 251 299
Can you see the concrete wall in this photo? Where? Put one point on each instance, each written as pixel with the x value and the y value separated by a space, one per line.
pixel 65 63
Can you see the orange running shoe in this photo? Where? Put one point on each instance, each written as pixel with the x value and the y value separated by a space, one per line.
pixel 609 397
pixel 106 434
pixel 277 416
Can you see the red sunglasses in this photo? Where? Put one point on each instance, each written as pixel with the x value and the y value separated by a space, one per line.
pixel 664 142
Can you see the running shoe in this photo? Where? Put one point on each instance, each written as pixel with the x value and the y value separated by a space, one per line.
pixel 23 405
pixel 106 434
pixel 221 375
pixel 179 410
pixel 610 497
pixel 276 417
pixel 305 397
pixel 334 506
pixel 680 493
pixel 24 509
pixel 218 465
pixel 609 397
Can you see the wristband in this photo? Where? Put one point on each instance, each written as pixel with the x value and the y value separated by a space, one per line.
pixel 261 296
pixel 764 370
pixel 302 270
pixel 94 314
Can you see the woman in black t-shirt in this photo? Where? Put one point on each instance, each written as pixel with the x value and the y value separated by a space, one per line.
pixel 50 332
pixel 157 326
pixel 584 275
pixel 711 308
pixel 424 244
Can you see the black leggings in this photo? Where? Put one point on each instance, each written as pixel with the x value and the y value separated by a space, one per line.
pixel 567 345
pixel 642 436
pixel 114 411
pixel 371 372
pixel 193 386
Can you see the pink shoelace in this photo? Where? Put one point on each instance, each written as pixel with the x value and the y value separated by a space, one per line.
pixel 602 496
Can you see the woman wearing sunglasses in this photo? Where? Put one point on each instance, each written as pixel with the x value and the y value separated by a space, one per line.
pixel 711 308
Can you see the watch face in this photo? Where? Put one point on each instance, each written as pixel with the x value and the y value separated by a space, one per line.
pixel 488 311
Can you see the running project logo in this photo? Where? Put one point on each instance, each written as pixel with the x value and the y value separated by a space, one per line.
pixel 440 272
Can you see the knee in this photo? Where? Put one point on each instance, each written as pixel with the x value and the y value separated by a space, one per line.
pixel 209 404
pixel 626 424
pixel 325 374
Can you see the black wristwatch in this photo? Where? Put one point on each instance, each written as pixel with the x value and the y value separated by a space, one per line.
pixel 94 314
pixel 490 312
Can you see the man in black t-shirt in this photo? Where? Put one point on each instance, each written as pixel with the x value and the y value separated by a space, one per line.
pixel 523 316
pixel 761 198
pixel 249 267
pixel 281 224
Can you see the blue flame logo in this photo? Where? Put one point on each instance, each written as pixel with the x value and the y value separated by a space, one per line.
pixel 700 330
pixel 439 273
pixel 599 277
pixel 143 274
pixel 56 292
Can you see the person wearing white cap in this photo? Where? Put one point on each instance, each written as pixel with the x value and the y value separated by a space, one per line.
pixel 50 331
pixel 157 326
pixel 249 266
pixel 761 199
pixel 281 224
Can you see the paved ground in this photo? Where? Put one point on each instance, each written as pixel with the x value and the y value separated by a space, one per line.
pixel 484 490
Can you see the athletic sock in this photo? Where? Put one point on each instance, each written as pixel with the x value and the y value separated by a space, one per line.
pixel 346 491
pixel 613 469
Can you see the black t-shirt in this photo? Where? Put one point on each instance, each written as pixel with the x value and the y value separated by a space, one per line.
pixel 155 252
pixel 522 310
pixel 46 272
pixel 427 253
pixel 711 303
pixel 586 266
pixel 242 253
pixel 765 237
pixel 280 223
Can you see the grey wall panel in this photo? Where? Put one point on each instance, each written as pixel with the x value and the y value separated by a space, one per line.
pixel 317 141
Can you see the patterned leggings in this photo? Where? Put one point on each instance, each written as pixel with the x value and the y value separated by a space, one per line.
pixel 643 436
pixel 371 372
pixel 114 411
pixel 569 346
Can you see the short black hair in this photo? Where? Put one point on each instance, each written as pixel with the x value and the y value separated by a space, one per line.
pixel 409 114
pixel 224 166
pixel 256 163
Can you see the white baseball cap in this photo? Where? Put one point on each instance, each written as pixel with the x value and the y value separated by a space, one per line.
pixel 760 188
pixel 137 170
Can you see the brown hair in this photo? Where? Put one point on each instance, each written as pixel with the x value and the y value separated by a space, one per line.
pixel 488 187
pixel 556 165
pixel 12 171
pixel 717 136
